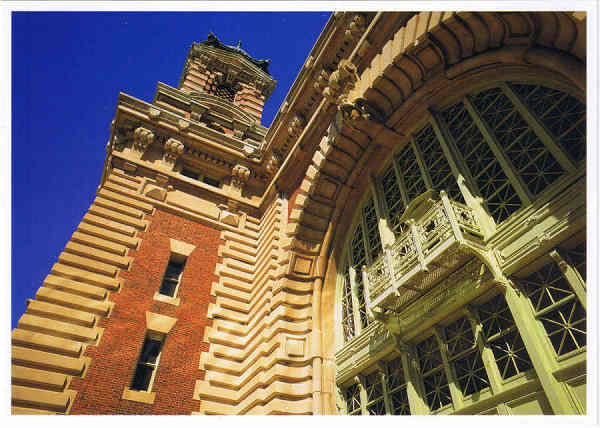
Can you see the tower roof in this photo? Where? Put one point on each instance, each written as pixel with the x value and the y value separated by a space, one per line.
pixel 213 41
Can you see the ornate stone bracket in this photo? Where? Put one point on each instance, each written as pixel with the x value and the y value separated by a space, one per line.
pixel 239 176
pixel 341 82
pixel 172 150
pixel 142 139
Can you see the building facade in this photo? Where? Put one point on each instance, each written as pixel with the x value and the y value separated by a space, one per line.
pixel 408 237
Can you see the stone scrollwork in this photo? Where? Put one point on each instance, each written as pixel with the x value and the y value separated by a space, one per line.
pixel 142 139
pixel 172 150
pixel 239 176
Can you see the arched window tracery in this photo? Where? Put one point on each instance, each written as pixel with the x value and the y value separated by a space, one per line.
pixel 501 146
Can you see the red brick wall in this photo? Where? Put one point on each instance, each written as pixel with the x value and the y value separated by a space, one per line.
pixel 114 360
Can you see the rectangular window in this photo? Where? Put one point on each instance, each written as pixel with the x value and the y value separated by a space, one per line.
pixel 147 363
pixel 172 276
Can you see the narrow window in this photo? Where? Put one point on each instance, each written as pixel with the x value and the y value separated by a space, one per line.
pixel 147 363
pixel 172 276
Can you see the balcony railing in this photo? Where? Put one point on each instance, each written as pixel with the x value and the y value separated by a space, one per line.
pixel 442 235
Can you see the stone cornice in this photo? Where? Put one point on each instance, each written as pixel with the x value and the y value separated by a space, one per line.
pixel 194 132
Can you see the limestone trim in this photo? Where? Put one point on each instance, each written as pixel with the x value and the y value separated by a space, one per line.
pixel 181 248
pixel 159 323
pixel 139 396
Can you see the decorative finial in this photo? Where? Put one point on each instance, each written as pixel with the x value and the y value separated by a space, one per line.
pixel 239 45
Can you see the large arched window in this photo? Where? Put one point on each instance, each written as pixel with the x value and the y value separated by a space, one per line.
pixel 498 151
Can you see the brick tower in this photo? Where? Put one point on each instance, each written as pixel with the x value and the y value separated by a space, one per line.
pixel 122 321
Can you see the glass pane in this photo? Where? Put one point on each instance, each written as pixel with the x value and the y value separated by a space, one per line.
pixel 141 378
pixel 393 199
pixel 436 163
pixel 411 174
pixel 529 156
pixel 150 351
pixel 168 287
pixel 470 373
pixel 562 114
pixel 373 238
pixel 501 198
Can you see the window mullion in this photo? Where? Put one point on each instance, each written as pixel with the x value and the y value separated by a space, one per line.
pixel 572 277
pixel 384 388
pixel 421 162
pixel 363 394
pixel 383 223
pixel 490 138
pixel 540 351
pixel 400 181
pixel 463 177
pixel 538 127
pixel 457 397
pixel 487 355
pixel 414 383
pixel 355 302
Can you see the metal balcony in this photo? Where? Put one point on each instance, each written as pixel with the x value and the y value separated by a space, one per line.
pixel 440 236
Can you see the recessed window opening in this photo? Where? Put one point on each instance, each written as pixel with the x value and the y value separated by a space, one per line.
pixel 211 181
pixel 190 174
pixel 172 277
pixel 147 365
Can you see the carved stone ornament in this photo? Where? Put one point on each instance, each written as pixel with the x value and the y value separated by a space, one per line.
pixel 360 110
pixel 173 149
pixel 154 113
pixel 341 82
pixel 273 163
pixel 239 176
pixel 355 28
pixel 296 125
pixel 142 139
pixel 182 125
pixel 321 81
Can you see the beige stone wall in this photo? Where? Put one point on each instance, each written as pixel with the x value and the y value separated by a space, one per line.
pixel 258 362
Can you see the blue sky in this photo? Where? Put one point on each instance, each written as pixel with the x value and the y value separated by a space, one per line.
pixel 67 71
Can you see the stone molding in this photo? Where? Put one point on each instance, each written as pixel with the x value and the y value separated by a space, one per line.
pixel 159 323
